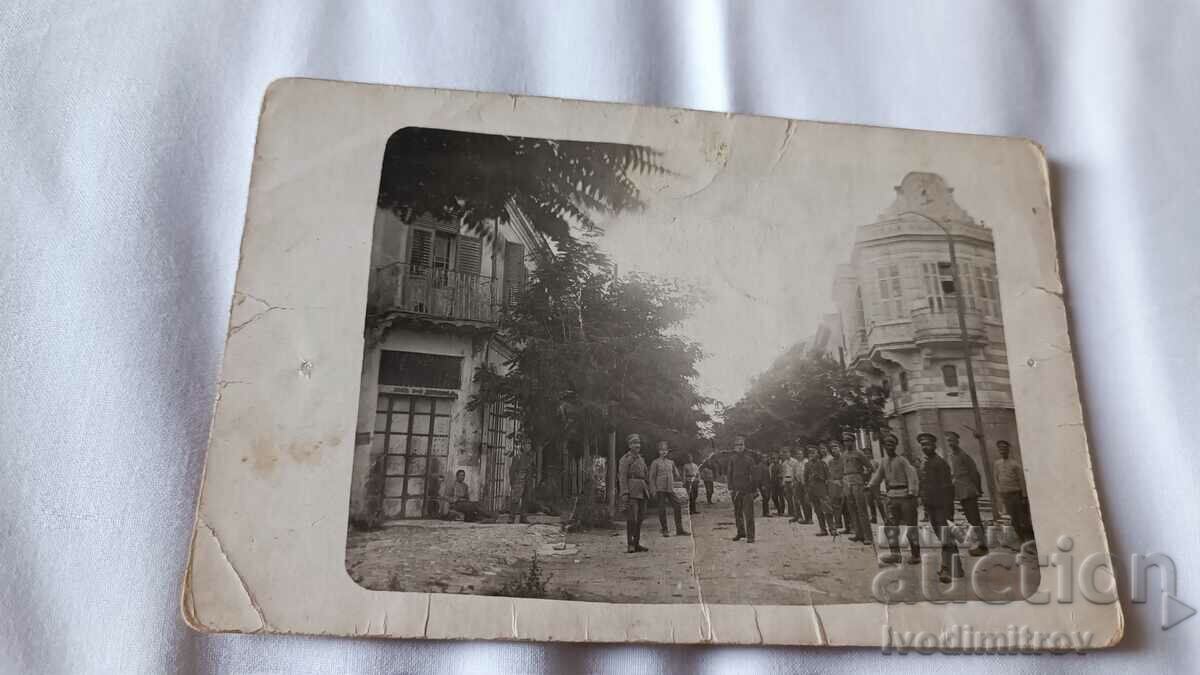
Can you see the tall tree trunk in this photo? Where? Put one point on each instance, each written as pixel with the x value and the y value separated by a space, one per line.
pixel 612 474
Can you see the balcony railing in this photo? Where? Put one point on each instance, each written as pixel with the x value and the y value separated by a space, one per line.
pixel 435 292
pixel 935 327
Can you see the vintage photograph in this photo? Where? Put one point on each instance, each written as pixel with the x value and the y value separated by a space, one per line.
pixel 740 374
pixel 506 367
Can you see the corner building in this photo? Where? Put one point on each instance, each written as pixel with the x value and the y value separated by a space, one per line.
pixel 897 306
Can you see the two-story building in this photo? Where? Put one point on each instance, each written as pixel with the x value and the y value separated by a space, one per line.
pixel 435 297
pixel 898 309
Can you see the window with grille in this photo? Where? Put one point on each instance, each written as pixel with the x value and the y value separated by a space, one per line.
pixel 412 434
pixel 891 299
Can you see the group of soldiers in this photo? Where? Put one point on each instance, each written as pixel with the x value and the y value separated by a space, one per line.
pixel 841 489
pixel 640 484
pixel 846 490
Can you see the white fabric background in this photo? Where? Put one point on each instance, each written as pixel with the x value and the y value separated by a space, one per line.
pixel 126 132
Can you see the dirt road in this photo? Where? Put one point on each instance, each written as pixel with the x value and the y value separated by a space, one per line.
pixel 787 564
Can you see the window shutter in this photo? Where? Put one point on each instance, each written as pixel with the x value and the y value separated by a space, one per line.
pixel 428 221
pixel 514 270
pixel 469 255
pixel 420 249
pixel 514 263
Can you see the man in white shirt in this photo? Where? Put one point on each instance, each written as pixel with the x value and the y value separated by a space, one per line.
pixel 691 481
pixel 791 474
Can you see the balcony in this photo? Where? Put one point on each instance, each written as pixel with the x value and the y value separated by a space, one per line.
pixel 436 293
pixel 931 328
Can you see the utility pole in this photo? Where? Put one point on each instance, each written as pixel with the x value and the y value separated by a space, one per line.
pixel 961 307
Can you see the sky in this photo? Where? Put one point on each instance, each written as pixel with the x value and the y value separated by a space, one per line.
pixel 760 213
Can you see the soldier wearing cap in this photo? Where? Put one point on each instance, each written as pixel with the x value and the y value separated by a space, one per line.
pixel 662 481
pixel 803 512
pixel 634 492
pixel 1010 483
pixel 834 485
pixel 937 493
pixel 816 481
pixel 854 465
pixel 519 483
pixel 743 485
pixel 899 479
pixel 968 486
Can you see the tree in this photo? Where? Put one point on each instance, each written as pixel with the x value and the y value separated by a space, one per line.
pixel 803 397
pixel 593 352
pixel 474 179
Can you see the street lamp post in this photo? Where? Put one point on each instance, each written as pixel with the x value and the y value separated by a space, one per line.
pixel 961 305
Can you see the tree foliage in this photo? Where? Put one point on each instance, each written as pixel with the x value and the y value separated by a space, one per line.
pixel 802 397
pixel 592 352
pixel 476 178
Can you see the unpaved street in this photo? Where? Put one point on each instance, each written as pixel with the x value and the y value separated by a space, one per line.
pixel 788 564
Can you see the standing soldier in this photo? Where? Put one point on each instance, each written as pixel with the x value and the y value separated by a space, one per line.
pixel 662 484
pixel 634 492
pixel 854 465
pixel 937 491
pixel 791 471
pixel 691 481
pixel 707 475
pixel 967 489
pixel 899 479
pixel 1010 483
pixel 816 479
pixel 834 485
pixel 744 489
pixel 777 484
pixel 518 483
pixel 804 498
pixel 762 476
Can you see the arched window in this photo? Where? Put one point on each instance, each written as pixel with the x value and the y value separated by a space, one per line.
pixel 950 375
pixel 904 380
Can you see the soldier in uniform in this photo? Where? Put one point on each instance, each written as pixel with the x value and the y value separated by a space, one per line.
pixel 762 477
pixel 854 465
pixel 634 492
pixel 791 478
pixel 816 479
pixel 967 488
pixel 691 481
pixel 744 488
pixel 899 479
pixel 519 484
pixel 707 475
pixel 937 492
pixel 1010 483
pixel 835 487
pixel 662 483
pixel 777 497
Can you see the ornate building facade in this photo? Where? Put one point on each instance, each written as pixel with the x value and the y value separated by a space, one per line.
pixel 897 305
